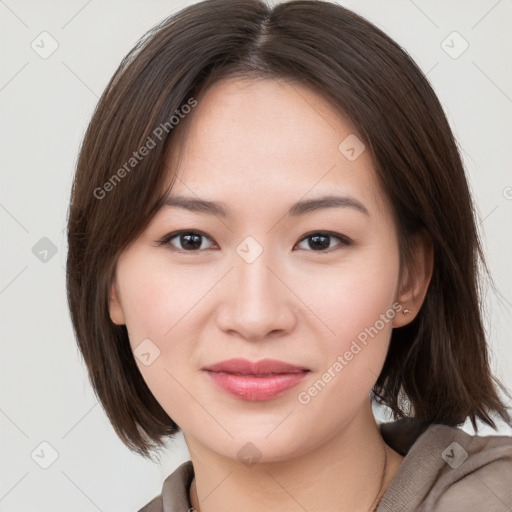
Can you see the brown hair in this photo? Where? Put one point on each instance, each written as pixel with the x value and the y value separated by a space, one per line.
pixel 439 361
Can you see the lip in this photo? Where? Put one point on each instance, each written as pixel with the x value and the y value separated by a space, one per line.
pixel 255 381
pixel 246 367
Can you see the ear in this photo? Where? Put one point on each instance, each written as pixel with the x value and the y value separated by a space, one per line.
pixel 115 309
pixel 415 281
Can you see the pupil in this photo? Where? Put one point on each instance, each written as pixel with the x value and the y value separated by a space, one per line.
pixel 195 244
pixel 316 240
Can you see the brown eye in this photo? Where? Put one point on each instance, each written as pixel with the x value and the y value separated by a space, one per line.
pixel 321 241
pixel 191 241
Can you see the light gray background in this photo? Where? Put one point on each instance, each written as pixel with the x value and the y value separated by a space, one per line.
pixel 45 107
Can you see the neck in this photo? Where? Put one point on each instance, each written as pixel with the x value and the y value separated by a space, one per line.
pixel 349 473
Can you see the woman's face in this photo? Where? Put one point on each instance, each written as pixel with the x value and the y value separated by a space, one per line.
pixel 263 282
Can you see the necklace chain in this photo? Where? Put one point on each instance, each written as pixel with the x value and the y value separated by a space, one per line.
pixel 375 501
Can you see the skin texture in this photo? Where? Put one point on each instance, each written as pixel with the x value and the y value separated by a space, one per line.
pixel 260 146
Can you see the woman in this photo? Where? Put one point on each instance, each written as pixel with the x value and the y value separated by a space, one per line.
pixel 270 226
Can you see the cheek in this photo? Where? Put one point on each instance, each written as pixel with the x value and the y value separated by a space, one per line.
pixel 143 305
pixel 355 303
pixel 158 307
pixel 155 300
pixel 351 298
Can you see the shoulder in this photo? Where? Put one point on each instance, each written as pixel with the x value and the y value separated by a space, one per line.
pixel 448 470
pixel 155 505
pixel 175 491
pixel 476 473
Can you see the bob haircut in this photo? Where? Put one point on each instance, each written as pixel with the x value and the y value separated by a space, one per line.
pixel 437 367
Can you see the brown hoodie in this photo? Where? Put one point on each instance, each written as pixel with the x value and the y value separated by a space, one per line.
pixel 444 470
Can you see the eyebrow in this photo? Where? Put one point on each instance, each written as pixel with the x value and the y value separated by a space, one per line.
pixel 300 208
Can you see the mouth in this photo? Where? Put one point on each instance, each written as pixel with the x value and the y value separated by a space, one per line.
pixel 255 381
pixel 259 374
pixel 264 367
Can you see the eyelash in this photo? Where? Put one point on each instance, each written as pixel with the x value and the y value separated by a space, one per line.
pixel 166 240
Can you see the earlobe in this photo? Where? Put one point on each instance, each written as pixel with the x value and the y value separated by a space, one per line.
pixel 415 284
pixel 115 309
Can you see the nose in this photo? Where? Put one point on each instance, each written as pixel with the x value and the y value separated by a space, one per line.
pixel 256 300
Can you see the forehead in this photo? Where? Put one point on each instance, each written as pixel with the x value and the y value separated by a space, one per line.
pixel 275 139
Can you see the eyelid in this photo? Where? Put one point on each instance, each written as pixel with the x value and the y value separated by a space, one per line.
pixel 345 240
pixel 166 239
